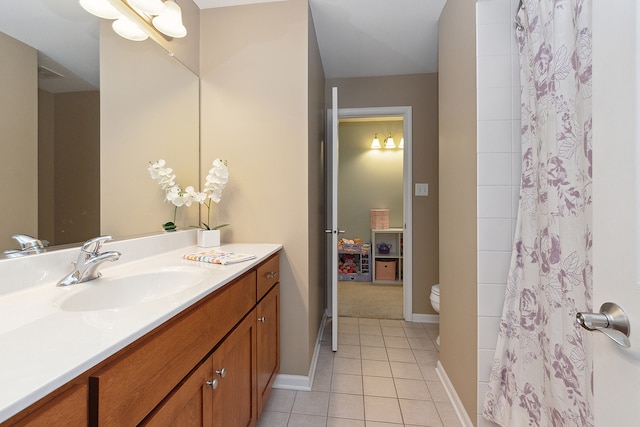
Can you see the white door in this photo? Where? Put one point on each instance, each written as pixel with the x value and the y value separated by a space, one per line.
pixel 332 215
pixel 616 205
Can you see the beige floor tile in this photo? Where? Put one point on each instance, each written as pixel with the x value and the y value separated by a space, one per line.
pixel 377 424
pixel 376 368
pixel 321 381
pixel 373 353
pixel 389 331
pixel 412 325
pixel 303 420
pixel 391 323
pixel 280 400
pixel 349 351
pixel 384 409
pixel 346 406
pixel 428 371
pixel 420 413
pixel 370 330
pixel 438 393
pixel 422 343
pixel 416 333
pixel 344 422
pixel 325 362
pixel 379 386
pixel 433 333
pixel 348 320
pixel 366 321
pixel 348 339
pixel 311 403
pixel 448 414
pixel 372 340
pixel 401 355
pixel 348 328
pixel 346 383
pixel 396 342
pixel 426 356
pixel 431 326
pixel 342 365
pixel 412 389
pixel 273 419
pixel 405 370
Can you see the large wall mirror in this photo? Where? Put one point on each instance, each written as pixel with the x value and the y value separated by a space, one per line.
pixel 82 114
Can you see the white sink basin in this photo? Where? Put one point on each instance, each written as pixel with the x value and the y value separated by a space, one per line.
pixel 109 293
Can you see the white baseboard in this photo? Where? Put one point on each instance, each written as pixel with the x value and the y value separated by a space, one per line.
pixel 300 382
pixel 463 417
pixel 425 318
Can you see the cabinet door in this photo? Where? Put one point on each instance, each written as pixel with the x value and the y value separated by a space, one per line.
pixel 234 402
pixel 190 404
pixel 70 408
pixel 268 348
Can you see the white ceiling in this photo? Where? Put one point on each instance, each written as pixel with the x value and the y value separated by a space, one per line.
pixel 359 38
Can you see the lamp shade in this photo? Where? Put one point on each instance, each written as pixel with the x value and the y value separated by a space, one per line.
pixel 150 7
pixel 389 142
pixel 375 144
pixel 100 8
pixel 169 21
pixel 401 145
pixel 129 30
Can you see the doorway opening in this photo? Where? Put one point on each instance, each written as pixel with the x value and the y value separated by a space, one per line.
pixel 379 185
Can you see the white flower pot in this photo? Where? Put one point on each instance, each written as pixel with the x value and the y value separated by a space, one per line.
pixel 208 238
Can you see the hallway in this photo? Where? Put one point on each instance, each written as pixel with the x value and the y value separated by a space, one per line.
pixel 383 375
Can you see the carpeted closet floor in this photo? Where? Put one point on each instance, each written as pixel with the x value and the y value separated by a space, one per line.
pixel 373 301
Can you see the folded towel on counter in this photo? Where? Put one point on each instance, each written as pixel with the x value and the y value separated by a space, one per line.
pixel 214 256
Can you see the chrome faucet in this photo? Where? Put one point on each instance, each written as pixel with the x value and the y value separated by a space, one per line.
pixel 28 245
pixel 89 260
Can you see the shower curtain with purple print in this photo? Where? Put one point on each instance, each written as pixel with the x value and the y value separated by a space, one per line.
pixel 542 370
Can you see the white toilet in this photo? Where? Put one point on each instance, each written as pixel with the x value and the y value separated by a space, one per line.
pixel 435 303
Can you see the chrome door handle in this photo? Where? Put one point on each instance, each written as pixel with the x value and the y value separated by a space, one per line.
pixel 611 321
pixel 331 231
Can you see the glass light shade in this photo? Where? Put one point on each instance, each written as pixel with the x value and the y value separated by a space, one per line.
pixel 375 144
pixel 401 145
pixel 100 8
pixel 169 22
pixel 389 143
pixel 150 7
pixel 128 30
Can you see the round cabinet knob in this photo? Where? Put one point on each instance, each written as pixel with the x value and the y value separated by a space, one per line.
pixel 222 372
pixel 213 384
pixel 271 274
pixel 261 319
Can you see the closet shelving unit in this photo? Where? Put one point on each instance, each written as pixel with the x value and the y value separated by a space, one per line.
pixel 393 237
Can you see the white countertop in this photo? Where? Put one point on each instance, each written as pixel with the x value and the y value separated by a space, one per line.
pixel 43 347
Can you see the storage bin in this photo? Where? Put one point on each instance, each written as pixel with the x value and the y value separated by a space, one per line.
pixel 379 219
pixel 386 270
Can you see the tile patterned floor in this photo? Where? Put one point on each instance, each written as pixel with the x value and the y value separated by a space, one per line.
pixel 383 375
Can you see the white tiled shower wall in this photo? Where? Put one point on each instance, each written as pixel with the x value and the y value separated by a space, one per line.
pixel 499 166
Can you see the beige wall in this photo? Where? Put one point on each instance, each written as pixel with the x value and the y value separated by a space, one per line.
pixel 19 137
pixel 368 179
pixel 458 266
pixel 420 91
pixel 68 171
pixel 317 237
pixel 149 110
pixel 258 109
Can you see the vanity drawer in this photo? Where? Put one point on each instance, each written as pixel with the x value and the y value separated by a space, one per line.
pixel 138 377
pixel 268 275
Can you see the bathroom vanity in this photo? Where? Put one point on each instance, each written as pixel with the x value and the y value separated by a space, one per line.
pixel 206 355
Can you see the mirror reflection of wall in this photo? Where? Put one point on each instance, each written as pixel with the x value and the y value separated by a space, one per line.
pixel 368 178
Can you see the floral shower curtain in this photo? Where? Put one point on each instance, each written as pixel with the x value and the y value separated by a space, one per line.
pixel 542 371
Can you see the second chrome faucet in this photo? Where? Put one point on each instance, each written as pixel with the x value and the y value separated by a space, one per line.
pixel 89 260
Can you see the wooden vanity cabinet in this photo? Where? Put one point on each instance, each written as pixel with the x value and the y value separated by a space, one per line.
pixel 220 390
pixel 212 365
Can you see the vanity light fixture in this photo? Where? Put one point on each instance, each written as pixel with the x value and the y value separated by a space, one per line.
pixel 389 143
pixel 139 19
